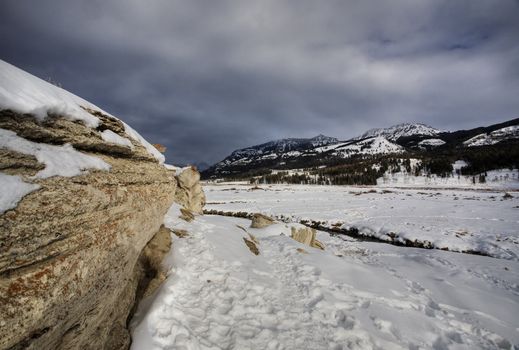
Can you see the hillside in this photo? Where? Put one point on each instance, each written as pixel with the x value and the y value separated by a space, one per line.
pixel 365 158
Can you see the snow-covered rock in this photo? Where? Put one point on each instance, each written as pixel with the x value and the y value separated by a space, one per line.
pixel 23 93
pixel 82 194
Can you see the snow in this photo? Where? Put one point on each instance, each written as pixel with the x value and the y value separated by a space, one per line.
pixel 110 136
pixel 59 160
pixel 394 132
pixel 458 219
pixel 374 145
pixel 149 147
pixel 431 142
pixel 354 295
pixel 495 179
pixel 13 190
pixel 494 137
pixel 24 93
pixel 176 169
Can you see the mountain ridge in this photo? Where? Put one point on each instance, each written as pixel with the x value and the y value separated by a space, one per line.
pixel 403 139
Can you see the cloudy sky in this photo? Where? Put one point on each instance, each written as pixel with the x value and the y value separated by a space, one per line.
pixel 207 77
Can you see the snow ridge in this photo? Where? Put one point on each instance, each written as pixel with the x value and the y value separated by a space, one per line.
pixel 24 93
pixel 510 132
pixel 394 132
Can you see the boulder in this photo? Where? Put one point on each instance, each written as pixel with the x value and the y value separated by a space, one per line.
pixel 306 235
pixel 189 192
pixel 69 250
pixel 260 221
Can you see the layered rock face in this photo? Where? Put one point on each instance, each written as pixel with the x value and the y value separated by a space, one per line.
pixel 189 192
pixel 69 250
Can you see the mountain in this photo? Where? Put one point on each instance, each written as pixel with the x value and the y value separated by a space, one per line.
pixel 374 147
pixel 273 150
pixel 395 132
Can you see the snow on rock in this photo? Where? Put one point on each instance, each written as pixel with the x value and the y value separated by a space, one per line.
pixel 59 160
pixel 13 190
pixel 110 136
pixel 24 93
pixel 353 295
pixel 149 147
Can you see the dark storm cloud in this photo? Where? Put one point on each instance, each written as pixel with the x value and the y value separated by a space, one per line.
pixel 207 77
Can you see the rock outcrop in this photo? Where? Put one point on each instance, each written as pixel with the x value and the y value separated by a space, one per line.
pixel 260 221
pixel 189 192
pixel 306 235
pixel 69 251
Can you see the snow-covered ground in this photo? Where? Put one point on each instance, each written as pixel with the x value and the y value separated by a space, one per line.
pixel 352 295
pixel 504 179
pixel 485 221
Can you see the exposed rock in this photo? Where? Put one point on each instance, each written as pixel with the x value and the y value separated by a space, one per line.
pixel 306 235
pixel 186 215
pixel 69 251
pixel 253 247
pixel 318 244
pixel 260 221
pixel 253 238
pixel 151 271
pixel 189 191
pixel 160 148
pixel 180 233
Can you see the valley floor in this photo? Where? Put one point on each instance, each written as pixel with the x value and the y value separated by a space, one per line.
pixel 352 295
pixel 482 220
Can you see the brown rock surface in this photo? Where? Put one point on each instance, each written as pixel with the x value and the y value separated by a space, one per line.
pixel 189 192
pixel 260 220
pixel 69 251
pixel 306 235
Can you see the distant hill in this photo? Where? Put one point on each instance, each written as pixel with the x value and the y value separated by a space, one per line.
pixel 362 158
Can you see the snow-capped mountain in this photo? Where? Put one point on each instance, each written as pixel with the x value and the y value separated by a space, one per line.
pixel 276 149
pixel 374 145
pixel 395 132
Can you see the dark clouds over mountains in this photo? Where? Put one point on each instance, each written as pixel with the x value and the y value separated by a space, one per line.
pixel 207 77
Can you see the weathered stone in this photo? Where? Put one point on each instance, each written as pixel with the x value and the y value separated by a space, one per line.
pixel 160 148
pixel 260 221
pixel 189 192
pixel 186 215
pixel 180 233
pixel 253 247
pixel 69 251
pixel 306 235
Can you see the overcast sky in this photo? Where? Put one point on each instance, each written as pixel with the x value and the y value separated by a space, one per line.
pixel 207 77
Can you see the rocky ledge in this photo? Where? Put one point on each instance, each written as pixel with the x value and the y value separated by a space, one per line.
pixel 71 250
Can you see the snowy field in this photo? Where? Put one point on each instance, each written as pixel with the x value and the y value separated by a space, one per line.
pixel 352 295
pixel 480 219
